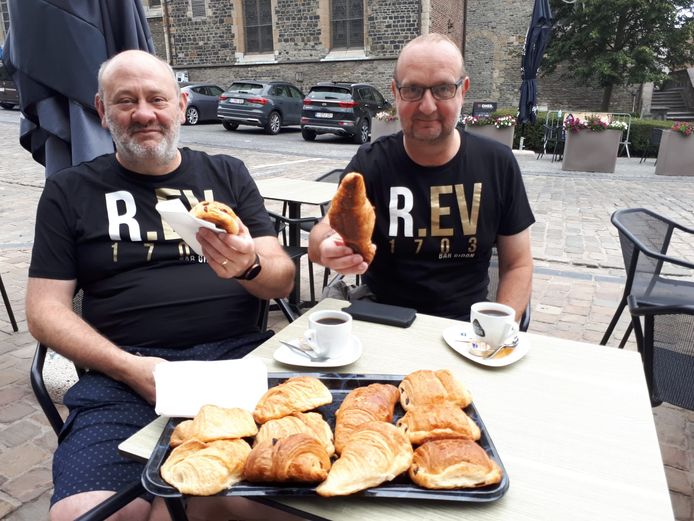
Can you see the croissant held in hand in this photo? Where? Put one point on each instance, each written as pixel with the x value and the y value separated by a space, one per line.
pixel 299 457
pixel 353 217
pixel 375 452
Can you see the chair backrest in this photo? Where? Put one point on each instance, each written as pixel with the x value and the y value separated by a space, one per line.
pixel 666 343
pixel 656 135
pixel 641 232
pixel 331 177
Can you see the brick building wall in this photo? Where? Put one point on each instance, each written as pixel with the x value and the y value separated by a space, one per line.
pixel 447 17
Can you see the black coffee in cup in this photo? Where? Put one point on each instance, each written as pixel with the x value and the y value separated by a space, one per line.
pixel 493 312
pixel 329 321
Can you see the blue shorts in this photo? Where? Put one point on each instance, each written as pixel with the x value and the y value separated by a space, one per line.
pixel 104 412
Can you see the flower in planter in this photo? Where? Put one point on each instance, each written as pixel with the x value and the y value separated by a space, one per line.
pixel 684 127
pixel 387 115
pixel 593 123
pixel 497 121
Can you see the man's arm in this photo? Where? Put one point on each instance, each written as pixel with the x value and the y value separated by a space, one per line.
pixel 326 247
pixel 52 321
pixel 231 255
pixel 515 270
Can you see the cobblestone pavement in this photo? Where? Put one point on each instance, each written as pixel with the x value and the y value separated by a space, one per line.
pixel 578 282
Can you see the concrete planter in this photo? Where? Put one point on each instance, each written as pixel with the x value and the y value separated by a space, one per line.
pixel 589 151
pixel 383 128
pixel 675 154
pixel 502 135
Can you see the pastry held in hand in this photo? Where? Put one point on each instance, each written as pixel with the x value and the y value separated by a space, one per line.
pixel 423 423
pixel 310 423
pixel 299 457
pixel 453 463
pixel 426 386
pixel 375 453
pixel 298 394
pixel 217 213
pixel 374 402
pixel 353 217
pixel 204 469
pixel 215 423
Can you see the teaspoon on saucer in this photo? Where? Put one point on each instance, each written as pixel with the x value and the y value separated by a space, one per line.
pixel 305 351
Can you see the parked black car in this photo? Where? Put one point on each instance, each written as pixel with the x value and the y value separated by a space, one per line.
pixel 268 104
pixel 9 96
pixel 202 101
pixel 345 109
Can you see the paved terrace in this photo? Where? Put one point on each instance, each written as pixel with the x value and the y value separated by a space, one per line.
pixel 578 282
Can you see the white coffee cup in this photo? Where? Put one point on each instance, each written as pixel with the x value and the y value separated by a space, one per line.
pixel 329 332
pixel 493 323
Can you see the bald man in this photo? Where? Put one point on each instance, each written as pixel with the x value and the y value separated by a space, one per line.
pixel 147 296
pixel 443 199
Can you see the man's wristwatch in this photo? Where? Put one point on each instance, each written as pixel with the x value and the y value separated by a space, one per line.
pixel 253 271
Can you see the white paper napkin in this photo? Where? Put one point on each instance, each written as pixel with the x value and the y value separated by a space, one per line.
pixel 183 387
pixel 184 224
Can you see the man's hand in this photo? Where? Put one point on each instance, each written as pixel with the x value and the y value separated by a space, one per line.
pixel 140 376
pixel 228 255
pixel 334 254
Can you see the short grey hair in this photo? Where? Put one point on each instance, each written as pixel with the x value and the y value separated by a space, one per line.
pixel 430 38
pixel 107 63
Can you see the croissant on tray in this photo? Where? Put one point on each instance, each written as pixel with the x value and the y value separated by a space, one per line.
pixel 204 469
pixel 353 217
pixel 363 404
pixel 297 394
pixel 426 386
pixel 311 423
pixel 422 423
pixel 454 463
pixel 215 423
pixel 376 452
pixel 299 457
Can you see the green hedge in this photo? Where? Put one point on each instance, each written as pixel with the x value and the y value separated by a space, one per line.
pixel 639 134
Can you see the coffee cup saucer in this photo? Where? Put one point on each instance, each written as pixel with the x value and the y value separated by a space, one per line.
pixel 286 356
pixel 461 338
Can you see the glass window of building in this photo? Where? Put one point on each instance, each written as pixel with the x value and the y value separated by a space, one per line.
pixel 347 18
pixel 258 22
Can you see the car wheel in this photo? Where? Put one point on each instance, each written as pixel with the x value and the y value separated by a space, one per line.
pixel 7 106
pixel 192 116
pixel 274 123
pixel 308 135
pixel 229 125
pixel 362 135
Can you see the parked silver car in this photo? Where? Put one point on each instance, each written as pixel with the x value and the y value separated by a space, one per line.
pixel 202 101
pixel 268 104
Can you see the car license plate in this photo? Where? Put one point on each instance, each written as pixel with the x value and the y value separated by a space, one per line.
pixel 236 100
pixel 324 114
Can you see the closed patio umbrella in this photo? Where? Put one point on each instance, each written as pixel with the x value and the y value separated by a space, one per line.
pixel 53 50
pixel 536 42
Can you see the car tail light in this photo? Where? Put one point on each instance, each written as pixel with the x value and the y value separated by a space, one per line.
pixel 259 101
pixel 304 121
pixel 348 104
pixel 307 101
pixel 222 97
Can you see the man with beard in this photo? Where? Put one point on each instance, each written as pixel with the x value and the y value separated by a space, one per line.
pixel 147 296
pixel 443 199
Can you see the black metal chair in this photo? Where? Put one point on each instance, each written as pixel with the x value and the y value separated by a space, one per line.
pixel 8 305
pixel 653 144
pixel 645 238
pixel 553 135
pixel 665 339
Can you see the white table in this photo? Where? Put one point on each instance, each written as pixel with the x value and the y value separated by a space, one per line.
pixel 571 421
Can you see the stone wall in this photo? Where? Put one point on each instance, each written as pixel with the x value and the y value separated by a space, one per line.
pixel 447 17
pixel 390 24
pixel 156 27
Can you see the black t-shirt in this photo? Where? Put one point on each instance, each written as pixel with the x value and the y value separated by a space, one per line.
pixel 436 226
pixel 144 286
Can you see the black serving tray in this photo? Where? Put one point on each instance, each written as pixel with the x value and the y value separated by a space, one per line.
pixel 340 385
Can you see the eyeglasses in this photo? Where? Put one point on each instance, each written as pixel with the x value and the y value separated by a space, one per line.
pixel 442 92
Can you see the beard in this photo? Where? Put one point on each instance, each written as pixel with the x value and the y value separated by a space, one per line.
pixel 127 146
pixel 428 135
